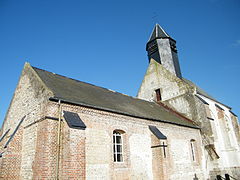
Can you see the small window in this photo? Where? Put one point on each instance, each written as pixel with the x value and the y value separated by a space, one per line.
pixel 193 151
pixel 158 95
pixel 117 146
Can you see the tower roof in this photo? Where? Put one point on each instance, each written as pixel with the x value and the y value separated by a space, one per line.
pixel 158 32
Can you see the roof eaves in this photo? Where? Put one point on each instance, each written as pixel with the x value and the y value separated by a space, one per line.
pixel 214 100
pixel 201 99
pixel 198 89
pixel 219 107
pixel 233 113
pixel 56 99
pixel 163 31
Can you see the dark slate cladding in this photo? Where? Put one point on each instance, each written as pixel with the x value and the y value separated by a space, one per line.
pixel 156 132
pixel 73 120
pixel 219 107
pixel 14 132
pixel 4 135
pixel 199 90
pixel 202 92
pixel 201 99
pixel 88 95
pixel 158 32
pixel 233 113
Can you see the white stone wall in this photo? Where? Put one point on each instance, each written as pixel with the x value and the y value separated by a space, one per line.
pixel 230 154
pixel 141 156
pixel 177 94
pixel 98 146
pixel 173 89
pixel 156 77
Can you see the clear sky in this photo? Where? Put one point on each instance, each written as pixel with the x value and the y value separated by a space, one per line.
pixel 103 42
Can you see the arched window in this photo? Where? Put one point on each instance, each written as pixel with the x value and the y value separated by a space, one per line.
pixel 118 146
pixel 193 150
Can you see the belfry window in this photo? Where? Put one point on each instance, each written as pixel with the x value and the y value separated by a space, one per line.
pixel 117 146
pixel 158 95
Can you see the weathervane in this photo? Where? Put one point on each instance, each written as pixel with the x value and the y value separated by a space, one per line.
pixel 154 17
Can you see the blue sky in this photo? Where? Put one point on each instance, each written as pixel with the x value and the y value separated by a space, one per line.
pixel 103 42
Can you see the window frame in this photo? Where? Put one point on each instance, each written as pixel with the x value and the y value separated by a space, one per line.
pixel 193 150
pixel 117 152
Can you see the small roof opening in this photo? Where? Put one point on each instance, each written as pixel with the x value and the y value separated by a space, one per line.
pixel 157 132
pixel 73 120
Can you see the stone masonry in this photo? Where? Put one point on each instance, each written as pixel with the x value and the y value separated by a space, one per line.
pixel 88 154
pixel 196 137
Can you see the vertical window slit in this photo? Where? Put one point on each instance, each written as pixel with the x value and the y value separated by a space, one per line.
pixel 192 144
pixel 158 95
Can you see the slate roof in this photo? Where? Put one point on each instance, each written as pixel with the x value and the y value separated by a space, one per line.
pixel 202 92
pixel 81 93
pixel 158 32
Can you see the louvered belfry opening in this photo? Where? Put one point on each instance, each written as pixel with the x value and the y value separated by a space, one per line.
pixel 158 95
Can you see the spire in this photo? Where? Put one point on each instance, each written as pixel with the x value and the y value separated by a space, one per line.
pixel 162 48
pixel 158 32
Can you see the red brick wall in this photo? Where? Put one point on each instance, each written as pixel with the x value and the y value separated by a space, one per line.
pixel 29 99
pixel 46 150
pixel 72 153
pixel 10 163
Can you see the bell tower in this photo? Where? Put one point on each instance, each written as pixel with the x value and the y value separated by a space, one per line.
pixel 162 48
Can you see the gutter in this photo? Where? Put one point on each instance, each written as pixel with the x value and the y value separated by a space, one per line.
pixel 214 100
pixel 56 99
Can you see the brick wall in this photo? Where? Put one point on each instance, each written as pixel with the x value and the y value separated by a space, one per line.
pixel 29 99
pixel 139 158
pixel 10 163
pixel 88 154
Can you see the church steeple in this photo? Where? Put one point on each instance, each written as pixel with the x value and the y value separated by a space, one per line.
pixel 162 48
pixel 158 32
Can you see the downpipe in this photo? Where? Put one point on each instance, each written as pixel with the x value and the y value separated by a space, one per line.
pixel 58 138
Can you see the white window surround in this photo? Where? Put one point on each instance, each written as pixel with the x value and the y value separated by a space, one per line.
pixel 118 146
pixel 193 151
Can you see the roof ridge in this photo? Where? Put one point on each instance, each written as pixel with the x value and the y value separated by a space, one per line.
pixel 72 78
pixel 110 90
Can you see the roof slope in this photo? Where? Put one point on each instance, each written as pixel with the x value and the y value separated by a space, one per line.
pixel 82 93
pixel 158 32
pixel 198 89
pixel 202 92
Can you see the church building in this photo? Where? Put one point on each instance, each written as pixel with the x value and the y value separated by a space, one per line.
pixel 61 128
